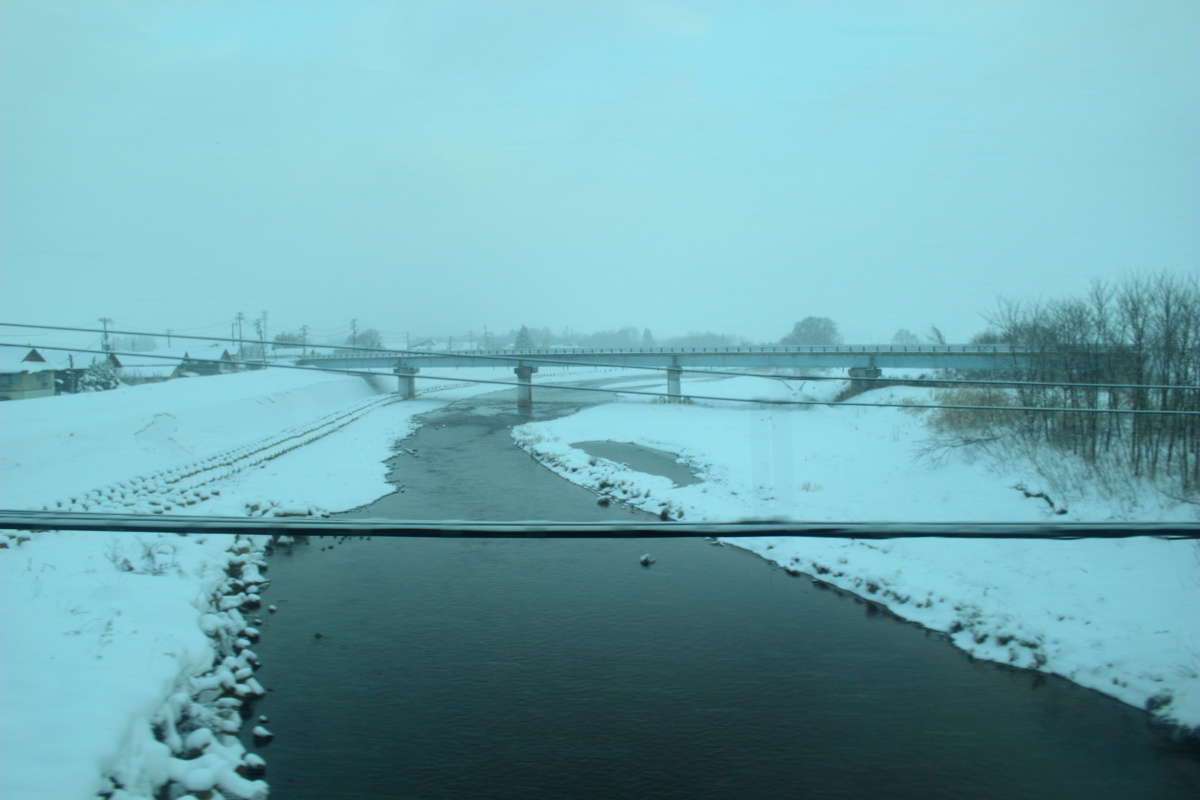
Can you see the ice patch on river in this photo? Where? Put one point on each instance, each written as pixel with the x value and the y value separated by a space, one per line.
pixel 1113 615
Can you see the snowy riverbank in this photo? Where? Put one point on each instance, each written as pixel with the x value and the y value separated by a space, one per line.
pixel 126 655
pixel 109 638
pixel 1111 615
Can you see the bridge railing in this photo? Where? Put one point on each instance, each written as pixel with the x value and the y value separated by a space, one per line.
pixel 991 349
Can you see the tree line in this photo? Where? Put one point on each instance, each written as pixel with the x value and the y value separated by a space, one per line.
pixel 1143 332
pixel 628 337
pixel 818 331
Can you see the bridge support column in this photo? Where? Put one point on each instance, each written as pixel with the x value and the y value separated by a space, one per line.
pixel 407 377
pixel 525 390
pixel 857 386
pixel 673 374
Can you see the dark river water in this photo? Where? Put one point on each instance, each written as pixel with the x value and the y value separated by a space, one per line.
pixel 532 669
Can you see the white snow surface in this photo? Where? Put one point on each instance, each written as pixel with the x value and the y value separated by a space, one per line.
pixel 104 634
pixel 1117 616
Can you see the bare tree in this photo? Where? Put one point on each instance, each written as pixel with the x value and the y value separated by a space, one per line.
pixel 1144 332
pixel 368 338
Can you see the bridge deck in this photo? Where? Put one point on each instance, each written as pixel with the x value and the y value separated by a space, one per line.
pixel 883 356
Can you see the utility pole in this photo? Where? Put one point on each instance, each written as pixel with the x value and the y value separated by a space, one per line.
pixel 238 320
pixel 104 344
pixel 263 334
pixel 304 340
pixel 262 348
pixel 168 338
pixel 353 332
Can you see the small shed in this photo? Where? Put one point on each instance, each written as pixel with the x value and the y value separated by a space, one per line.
pixel 70 365
pixel 206 364
pixel 25 374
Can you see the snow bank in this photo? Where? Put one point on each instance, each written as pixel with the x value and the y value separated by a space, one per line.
pixel 118 637
pixel 127 658
pixel 1111 615
pixel 68 444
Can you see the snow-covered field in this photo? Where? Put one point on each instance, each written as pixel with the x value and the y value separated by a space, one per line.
pixel 106 636
pixel 1114 615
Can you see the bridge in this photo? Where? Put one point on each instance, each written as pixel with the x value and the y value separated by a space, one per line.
pixel 862 361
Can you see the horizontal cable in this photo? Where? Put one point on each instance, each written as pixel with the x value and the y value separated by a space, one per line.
pixel 838 349
pixel 384 352
pixel 689 396
pixel 293 526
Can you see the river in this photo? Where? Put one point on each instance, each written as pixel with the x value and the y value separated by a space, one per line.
pixel 482 668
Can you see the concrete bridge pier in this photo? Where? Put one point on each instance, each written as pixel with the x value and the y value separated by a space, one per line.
pixel 525 389
pixel 673 374
pixel 407 377
pixel 857 386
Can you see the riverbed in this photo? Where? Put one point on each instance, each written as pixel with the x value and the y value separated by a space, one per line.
pixel 470 668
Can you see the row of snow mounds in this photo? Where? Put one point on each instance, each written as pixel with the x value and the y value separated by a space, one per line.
pixel 187 484
pixel 182 486
pixel 191 747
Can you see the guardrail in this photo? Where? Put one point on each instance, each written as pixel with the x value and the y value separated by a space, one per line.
pixel 292 526
pixel 781 349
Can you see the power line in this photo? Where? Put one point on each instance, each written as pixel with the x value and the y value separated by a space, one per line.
pixel 934 382
pixel 567 387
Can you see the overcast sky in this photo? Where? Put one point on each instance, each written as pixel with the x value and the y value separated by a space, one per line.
pixel 435 167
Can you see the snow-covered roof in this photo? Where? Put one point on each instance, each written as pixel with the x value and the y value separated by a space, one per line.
pixel 34 359
pixel 204 352
pixel 70 359
pixel 12 359
pixel 164 360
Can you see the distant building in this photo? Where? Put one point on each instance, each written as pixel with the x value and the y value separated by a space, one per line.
pixel 164 363
pixel 151 366
pixel 135 370
pixel 206 365
pixel 25 374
